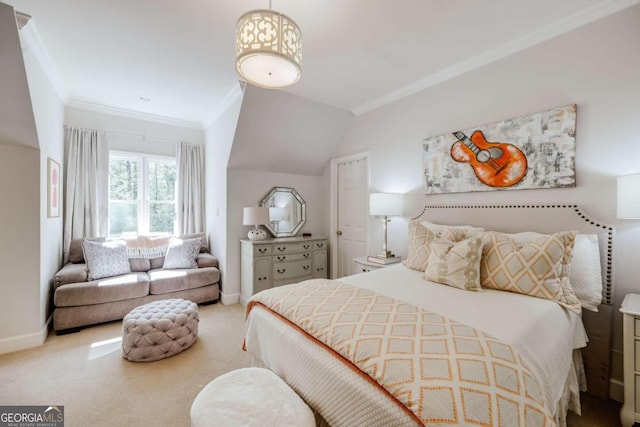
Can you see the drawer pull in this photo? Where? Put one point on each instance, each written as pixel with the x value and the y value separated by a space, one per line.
pixel 364 270
pixel 282 258
pixel 262 250
pixel 305 255
pixel 282 271
pixel 319 245
pixel 306 246
pixel 282 249
pixel 306 267
pixel 320 269
pixel 262 278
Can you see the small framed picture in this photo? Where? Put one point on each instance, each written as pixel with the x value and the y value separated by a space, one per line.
pixel 53 188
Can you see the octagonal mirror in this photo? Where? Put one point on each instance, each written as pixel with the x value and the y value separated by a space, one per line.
pixel 287 211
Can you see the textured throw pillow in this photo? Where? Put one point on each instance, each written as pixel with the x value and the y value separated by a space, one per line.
pixel 182 253
pixel 455 264
pixel 420 238
pixel 203 247
pixel 106 259
pixel 76 254
pixel 537 268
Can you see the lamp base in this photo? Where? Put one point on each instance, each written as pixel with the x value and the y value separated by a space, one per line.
pixel 257 234
pixel 385 254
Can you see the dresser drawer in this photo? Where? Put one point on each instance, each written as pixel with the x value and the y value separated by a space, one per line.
pixel 288 270
pixel 637 394
pixel 636 328
pixel 636 361
pixel 291 257
pixel 261 250
pixel 291 248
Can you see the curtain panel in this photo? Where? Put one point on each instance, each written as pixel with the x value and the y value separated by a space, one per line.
pixel 190 189
pixel 86 204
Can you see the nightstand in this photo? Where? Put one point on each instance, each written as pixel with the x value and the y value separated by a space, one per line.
pixel 361 265
pixel 630 308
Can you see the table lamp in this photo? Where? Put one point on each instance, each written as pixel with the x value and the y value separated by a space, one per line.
pixel 385 205
pixel 256 215
pixel 629 196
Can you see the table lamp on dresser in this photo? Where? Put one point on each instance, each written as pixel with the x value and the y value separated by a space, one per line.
pixel 256 215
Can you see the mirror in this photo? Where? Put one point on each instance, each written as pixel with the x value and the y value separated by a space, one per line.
pixel 287 211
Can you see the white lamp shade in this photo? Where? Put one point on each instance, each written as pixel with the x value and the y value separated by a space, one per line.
pixel 268 49
pixel 629 196
pixel 386 204
pixel 255 215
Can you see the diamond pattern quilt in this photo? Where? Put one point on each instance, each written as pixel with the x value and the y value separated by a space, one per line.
pixel 440 371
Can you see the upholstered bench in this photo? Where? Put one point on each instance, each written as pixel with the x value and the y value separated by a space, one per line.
pixel 249 397
pixel 159 329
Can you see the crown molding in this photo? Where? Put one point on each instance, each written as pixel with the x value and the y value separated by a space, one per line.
pixel 577 20
pixel 32 42
pixel 232 96
pixel 131 114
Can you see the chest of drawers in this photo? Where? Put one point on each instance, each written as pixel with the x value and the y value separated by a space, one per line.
pixel 276 262
pixel 630 308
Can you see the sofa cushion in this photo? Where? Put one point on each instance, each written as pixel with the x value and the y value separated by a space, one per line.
pixel 71 273
pixel 165 281
pixel 109 289
pixel 139 264
pixel 156 262
pixel 182 253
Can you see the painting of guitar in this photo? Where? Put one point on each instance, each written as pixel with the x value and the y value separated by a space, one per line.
pixel 496 164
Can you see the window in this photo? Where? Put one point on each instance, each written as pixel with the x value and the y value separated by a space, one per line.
pixel 141 194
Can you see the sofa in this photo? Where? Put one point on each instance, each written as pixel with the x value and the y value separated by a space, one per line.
pixel 81 301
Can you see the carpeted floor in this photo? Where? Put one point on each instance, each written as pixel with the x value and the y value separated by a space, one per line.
pixel 86 373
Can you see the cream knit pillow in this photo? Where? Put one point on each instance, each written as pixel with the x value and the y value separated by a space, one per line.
pixel 455 264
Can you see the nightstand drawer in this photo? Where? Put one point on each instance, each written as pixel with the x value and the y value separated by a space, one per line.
pixel 636 364
pixel 636 328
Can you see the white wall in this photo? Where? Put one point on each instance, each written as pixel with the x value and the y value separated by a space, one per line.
pixel 248 188
pixel 48 112
pixel 128 134
pixel 219 140
pixel 595 67
pixel 20 170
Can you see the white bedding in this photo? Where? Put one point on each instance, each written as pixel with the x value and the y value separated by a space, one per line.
pixel 543 332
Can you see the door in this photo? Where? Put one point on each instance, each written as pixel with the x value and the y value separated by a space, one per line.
pixel 352 213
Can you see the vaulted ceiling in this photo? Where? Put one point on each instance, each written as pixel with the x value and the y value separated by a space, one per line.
pixel 357 54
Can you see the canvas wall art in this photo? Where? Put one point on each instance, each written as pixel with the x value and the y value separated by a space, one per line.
pixel 534 151
pixel 53 188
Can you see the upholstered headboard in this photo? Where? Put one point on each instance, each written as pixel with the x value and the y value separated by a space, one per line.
pixel 550 219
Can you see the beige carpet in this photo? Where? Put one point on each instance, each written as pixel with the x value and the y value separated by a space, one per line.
pixel 86 373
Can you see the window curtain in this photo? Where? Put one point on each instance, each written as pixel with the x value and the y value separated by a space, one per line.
pixel 190 189
pixel 86 204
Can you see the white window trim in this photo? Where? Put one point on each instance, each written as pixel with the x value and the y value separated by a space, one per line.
pixel 143 201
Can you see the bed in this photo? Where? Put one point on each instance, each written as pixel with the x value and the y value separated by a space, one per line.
pixel 343 395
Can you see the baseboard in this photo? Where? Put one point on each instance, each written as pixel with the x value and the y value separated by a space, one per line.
pixel 228 299
pixel 23 342
pixel 616 390
pixel 243 301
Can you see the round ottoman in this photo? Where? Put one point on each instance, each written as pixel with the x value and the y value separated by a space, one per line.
pixel 249 397
pixel 159 329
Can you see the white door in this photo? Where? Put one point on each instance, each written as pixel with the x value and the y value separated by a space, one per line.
pixel 352 213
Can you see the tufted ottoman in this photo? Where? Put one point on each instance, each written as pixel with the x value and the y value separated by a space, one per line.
pixel 249 397
pixel 159 329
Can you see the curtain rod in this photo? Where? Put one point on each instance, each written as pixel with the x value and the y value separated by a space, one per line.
pixel 144 137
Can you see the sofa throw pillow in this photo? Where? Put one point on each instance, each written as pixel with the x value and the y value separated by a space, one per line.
pixel 182 253
pixel 455 264
pixel 537 268
pixel 105 259
pixel 76 254
pixel 420 238
pixel 203 247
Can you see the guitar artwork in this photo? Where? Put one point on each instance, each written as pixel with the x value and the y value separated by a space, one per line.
pixel 496 164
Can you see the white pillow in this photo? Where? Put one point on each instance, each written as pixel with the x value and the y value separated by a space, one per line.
pixel 585 275
pixel 182 253
pixel 439 228
pixel 106 259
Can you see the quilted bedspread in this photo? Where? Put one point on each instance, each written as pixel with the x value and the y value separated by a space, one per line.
pixel 439 371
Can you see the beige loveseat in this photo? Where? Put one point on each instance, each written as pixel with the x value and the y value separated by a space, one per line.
pixel 79 302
